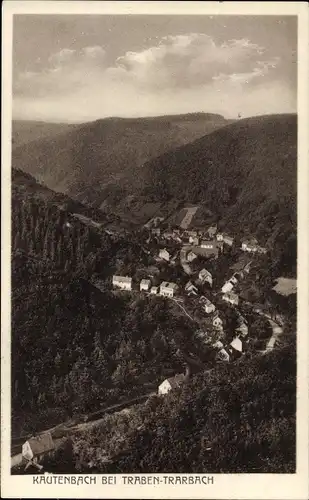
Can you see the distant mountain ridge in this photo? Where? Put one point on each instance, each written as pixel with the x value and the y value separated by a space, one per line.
pixel 86 161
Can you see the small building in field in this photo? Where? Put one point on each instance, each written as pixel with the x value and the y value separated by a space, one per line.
pixel 37 448
pixel 123 282
pixel 145 285
pixel 171 383
pixel 154 290
pixel 205 276
pixel 191 256
pixel 231 297
pixel 223 355
pixel 168 289
pixel 227 287
pixel 164 254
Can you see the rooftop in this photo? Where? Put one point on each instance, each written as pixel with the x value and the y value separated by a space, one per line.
pixel 123 279
pixel 41 443
pixel 167 284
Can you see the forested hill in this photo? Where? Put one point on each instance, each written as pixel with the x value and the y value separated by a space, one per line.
pixel 246 171
pixel 88 161
pixel 69 353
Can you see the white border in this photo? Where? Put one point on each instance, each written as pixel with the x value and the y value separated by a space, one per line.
pixel 240 486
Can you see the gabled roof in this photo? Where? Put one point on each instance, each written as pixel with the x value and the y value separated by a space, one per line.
pixel 41 443
pixel 145 282
pixel 122 279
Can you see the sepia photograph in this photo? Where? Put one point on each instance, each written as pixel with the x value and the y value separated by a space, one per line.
pixel 153 246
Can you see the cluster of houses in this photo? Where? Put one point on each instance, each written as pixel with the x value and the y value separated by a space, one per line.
pixel 210 239
pixel 165 289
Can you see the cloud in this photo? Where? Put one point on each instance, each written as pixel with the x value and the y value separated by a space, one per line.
pixel 180 73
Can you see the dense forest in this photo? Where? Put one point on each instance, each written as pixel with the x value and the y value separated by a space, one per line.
pixel 232 419
pixel 69 354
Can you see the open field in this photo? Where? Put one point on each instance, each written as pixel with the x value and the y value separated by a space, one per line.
pixel 286 286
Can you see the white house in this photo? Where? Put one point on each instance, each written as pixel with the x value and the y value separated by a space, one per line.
pixel 205 276
pixel 227 287
pixel 171 383
pixel 234 280
pixel 219 236
pixel 145 285
pixel 208 306
pixel 231 297
pixel 168 289
pixel 217 322
pixel 236 344
pixel 228 240
pixel 154 290
pixel 36 448
pixel 123 282
pixel 164 254
pixel 194 240
pixel 191 256
pixel 208 244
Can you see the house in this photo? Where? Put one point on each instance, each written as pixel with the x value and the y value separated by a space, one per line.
pixel 249 245
pixel 191 288
pixel 145 285
pixel 36 448
pixel 191 256
pixel 235 348
pixel 217 322
pixel 154 290
pixel 208 306
pixel 168 289
pixel 171 383
pixel 192 233
pixel 208 244
pixel 227 287
pixel 210 248
pixel 231 297
pixel 228 239
pixel 123 282
pixel 234 280
pixel 205 276
pixel 219 236
pixel 262 250
pixel 223 355
pixel 156 231
pixel 212 231
pixel 194 240
pixel 164 254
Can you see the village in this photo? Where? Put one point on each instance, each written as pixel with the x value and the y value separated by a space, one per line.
pixel 194 290
pixel 196 293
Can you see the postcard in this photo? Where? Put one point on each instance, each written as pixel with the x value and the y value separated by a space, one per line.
pixel 155 250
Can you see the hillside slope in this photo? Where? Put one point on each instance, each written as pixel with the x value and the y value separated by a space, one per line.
pixel 246 172
pixel 89 160
pixel 26 131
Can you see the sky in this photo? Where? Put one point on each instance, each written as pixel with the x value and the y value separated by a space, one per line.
pixel 77 68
